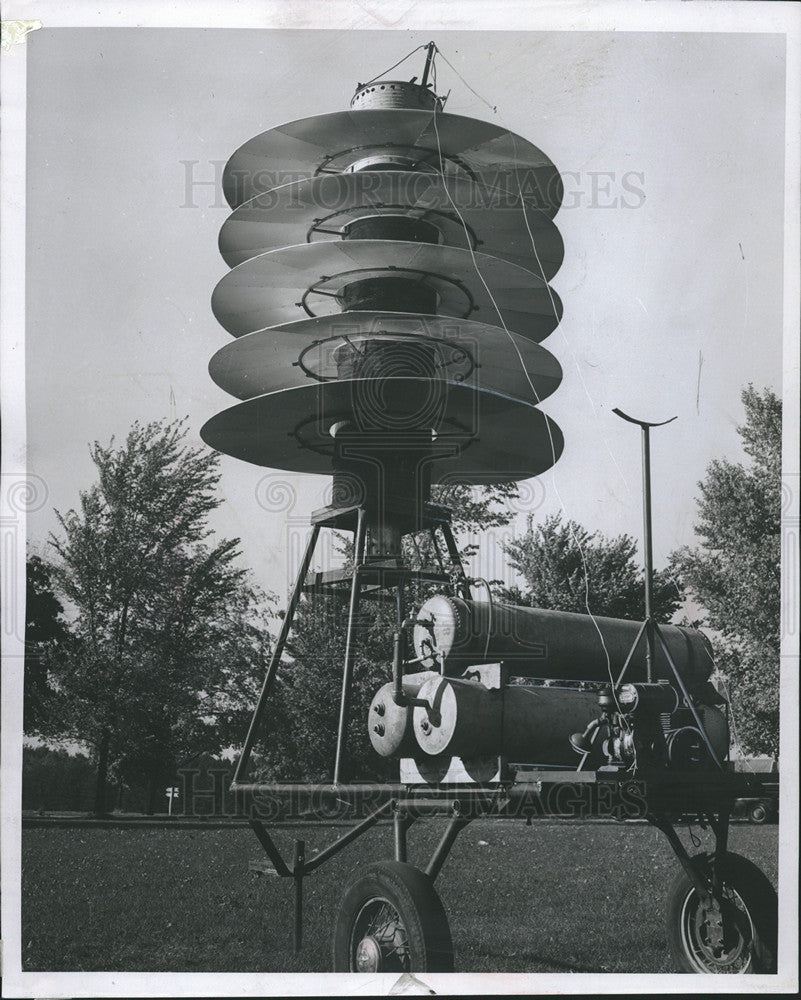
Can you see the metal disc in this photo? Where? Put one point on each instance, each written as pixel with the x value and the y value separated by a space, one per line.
pixel 334 142
pixel 267 360
pixel 484 437
pixel 466 213
pixel 270 289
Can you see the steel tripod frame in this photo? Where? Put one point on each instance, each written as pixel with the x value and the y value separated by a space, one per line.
pixel 357 519
pixel 651 627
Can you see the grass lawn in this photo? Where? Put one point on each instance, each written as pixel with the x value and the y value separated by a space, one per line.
pixel 553 897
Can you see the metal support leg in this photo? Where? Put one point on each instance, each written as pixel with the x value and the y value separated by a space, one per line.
pixel 402 822
pixel 297 877
pixel 440 855
pixel 686 696
pixel 632 651
pixel 720 827
pixel 456 559
pixel 645 427
pixel 350 644
pixel 437 553
pixel 650 654
pixel 400 604
pixel 270 848
pixel 664 824
pixel 275 659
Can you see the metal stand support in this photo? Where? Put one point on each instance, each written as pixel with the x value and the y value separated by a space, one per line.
pixel 275 659
pixel 379 575
pixel 298 871
pixel 650 628
pixel 401 823
pixel 647 540
pixel 350 641
pixel 720 828
pixel 452 831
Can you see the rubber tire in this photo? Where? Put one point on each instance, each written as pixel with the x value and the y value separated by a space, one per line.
pixel 412 894
pixel 758 896
pixel 759 812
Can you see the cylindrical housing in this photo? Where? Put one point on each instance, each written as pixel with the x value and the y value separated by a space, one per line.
pixel 390 725
pixel 525 724
pixel 392 227
pixel 388 295
pixel 383 471
pixel 654 698
pixel 386 358
pixel 466 722
pixel 393 94
pixel 551 644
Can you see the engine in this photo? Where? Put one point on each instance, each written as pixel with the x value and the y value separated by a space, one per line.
pixel 530 687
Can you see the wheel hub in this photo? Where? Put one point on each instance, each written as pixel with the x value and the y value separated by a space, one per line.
pixel 722 933
pixel 379 941
pixel 368 955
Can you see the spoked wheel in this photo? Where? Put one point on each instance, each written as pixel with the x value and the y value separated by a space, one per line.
pixel 392 920
pixel 737 932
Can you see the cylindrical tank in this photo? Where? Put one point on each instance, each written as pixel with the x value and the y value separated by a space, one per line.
pixel 466 720
pixel 527 724
pixel 390 725
pixel 551 644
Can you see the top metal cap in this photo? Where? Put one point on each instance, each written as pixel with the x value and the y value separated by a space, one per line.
pixel 395 94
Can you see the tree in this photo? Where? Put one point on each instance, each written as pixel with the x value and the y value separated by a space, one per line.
pixel 45 632
pixel 567 568
pixel 167 628
pixel 734 573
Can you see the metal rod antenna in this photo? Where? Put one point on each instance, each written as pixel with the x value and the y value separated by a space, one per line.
pixel 649 550
pixel 650 652
pixel 431 47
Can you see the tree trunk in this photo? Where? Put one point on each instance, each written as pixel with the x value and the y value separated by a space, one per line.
pixel 102 775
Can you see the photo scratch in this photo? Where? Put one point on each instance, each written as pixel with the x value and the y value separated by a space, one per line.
pixel 698 387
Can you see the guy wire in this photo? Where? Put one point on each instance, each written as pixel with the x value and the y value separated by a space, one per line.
pixel 520 356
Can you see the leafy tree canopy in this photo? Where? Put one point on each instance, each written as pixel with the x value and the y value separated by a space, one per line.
pixel 168 635
pixel 567 568
pixel 734 573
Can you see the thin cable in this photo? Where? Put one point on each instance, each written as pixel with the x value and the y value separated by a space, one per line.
pixel 456 71
pixel 745 760
pixel 494 109
pixel 384 72
pixel 523 366
pixel 553 476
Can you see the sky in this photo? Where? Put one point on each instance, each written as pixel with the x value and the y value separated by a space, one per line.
pixel 672 150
